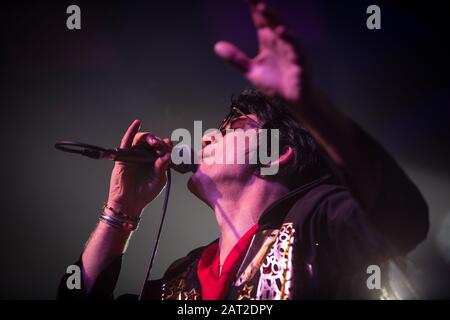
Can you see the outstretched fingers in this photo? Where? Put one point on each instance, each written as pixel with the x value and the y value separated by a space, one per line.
pixel 268 25
pixel 263 15
pixel 232 54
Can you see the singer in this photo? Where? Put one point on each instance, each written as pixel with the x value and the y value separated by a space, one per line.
pixel 338 204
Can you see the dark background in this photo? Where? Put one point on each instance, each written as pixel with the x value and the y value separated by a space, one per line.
pixel 153 60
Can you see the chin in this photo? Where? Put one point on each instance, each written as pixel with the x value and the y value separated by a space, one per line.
pixel 196 187
pixel 196 182
pixel 202 185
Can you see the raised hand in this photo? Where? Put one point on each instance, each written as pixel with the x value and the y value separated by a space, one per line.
pixel 276 69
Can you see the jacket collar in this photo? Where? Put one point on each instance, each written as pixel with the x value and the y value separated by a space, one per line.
pixel 275 214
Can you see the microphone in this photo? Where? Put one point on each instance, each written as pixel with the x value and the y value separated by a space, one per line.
pixel 135 154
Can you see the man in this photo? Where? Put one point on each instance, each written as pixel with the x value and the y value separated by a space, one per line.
pixel 338 204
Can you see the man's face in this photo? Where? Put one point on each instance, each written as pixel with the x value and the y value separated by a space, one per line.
pixel 226 156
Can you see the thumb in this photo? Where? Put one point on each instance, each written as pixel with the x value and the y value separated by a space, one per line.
pixel 229 52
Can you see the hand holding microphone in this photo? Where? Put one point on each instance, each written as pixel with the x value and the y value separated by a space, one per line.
pixel 139 174
pixel 134 185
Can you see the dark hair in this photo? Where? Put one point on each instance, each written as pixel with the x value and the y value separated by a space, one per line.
pixel 308 163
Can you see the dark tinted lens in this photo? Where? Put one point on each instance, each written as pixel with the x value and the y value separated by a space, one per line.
pixel 227 120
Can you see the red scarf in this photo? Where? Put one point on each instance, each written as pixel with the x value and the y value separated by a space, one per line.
pixel 215 287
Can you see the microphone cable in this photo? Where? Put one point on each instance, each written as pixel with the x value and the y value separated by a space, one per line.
pixel 158 235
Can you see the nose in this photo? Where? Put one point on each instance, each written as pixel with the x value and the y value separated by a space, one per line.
pixel 208 138
pixel 205 141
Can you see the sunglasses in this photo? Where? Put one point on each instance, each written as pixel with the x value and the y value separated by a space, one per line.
pixel 237 119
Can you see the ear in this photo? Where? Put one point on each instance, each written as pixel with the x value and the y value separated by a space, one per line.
pixel 286 155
